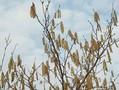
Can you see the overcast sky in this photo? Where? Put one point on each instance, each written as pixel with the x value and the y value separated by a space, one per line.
pixel 26 32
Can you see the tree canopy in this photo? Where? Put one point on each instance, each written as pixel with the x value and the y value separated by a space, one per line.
pixel 71 64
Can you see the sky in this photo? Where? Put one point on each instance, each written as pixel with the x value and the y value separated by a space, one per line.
pixel 27 32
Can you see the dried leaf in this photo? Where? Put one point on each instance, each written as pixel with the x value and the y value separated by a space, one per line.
pixel 96 81
pixel 70 34
pixel 50 88
pixel 112 74
pixel 44 69
pixel 57 88
pixel 59 13
pixel 62 27
pixel 89 83
pixel 55 15
pixel 31 79
pixel 114 17
pixel 86 46
pixel 105 66
pixel 14 67
pixel 14 88
pixel 33 66
pixel 59 40
pixel 96 17
pixel 43 40
pixel 53 35
pixel 64 44
pixel 77 80
pixel 94 45
pixel 57 44
pixel 46 47
pixel 105 84
pixel 7 75
pixel 10 64
pixel 36 76
pixel 72 71
pixel 12 76
pixel 113 85
pixel 53 23
pixel 115 14
pixel 2 79
pixel 75 58
pixel 76 37
pixel 33 11
pixel 65 86
pixel 19 61
pixel 109 57
pixel 55 71
pixel 81 45
pixel 22 82
pixel 102 38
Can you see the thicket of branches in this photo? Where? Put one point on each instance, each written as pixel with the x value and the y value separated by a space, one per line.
pixel 71 64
